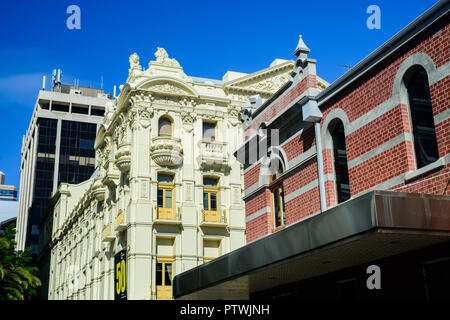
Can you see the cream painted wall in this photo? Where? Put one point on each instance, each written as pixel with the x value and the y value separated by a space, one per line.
pixel 87 230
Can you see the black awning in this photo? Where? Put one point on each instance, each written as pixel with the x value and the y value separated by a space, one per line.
pixel 357 231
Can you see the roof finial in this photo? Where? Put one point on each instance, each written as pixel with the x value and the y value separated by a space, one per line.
pixel 301 47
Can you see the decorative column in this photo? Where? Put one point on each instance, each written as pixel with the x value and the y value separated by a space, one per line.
pixel 139 239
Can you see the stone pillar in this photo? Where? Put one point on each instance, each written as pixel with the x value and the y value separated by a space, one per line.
pixel 139 237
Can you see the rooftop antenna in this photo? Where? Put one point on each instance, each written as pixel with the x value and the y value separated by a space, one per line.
pixel 101 86
pixel 53 79
pixel 345 66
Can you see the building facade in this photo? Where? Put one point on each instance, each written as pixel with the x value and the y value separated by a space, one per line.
pixel 358 177
pixel 7 192
pixel 8 204
pixel 58 147
pixel 166 192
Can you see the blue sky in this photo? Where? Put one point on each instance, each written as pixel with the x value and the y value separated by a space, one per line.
pixel 206 37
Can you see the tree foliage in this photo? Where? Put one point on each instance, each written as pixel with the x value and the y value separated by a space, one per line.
pixel 18 278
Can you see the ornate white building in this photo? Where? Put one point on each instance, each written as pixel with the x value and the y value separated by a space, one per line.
pixel 167 190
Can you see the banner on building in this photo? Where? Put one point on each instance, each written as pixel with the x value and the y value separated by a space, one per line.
pixel 120 275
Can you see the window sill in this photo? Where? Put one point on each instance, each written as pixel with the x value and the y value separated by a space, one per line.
pixel 441 162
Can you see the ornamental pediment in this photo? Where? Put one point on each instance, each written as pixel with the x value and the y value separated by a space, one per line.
pixel 267 81
pixel 168 86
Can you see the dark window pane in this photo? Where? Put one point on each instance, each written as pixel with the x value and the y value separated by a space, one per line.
pixel 209 130
pixel 422 118
pixel 209 182
pixel 340 162
pixel 205 201
pixel 168 274
pixel 97 112
pixel 159 274
pixel 165 178
pixel 160 198
pixel 213 202
pixel 277 207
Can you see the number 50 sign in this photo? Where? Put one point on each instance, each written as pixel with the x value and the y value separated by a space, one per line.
pixel 120 273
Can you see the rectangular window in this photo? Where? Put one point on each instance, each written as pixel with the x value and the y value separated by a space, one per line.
pixel 168 198
pixel 160 198
pixel 97 112
pixel 165 197
pixel 279 216
pixel 205 201
pixel 159 276
pixel 209 130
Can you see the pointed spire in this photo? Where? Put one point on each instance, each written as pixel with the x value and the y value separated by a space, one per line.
pixel 301 47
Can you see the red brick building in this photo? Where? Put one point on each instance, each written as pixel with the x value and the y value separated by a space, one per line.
pixel 383 145
pixel 354 175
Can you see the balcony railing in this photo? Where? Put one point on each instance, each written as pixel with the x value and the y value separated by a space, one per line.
pixel 213 153
pixel 214 218
pixel 168 216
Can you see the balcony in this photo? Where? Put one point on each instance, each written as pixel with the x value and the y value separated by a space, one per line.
pixel 167 216
pixel 108 235
pixel 166 151
pixel 111 174
pixel 98 190
pixel 213 154
pixel 121 221
pixel 214 219
pixel 123 157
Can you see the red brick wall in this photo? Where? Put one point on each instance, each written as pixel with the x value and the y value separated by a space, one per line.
pixel 308 82
pixel 364 95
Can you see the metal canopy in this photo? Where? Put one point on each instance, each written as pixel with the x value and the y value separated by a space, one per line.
pixel 376 225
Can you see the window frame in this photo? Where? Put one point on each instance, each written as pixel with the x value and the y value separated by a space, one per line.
pixel 333 131
pixel 215 130
pixel 417 135
pixel 274 185
pixel 164 260
pixel 159 126
pixel 164 212
pixel 208 214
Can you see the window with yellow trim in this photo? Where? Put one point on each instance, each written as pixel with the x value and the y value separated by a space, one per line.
pixel 164 277
pixel 210 200
pixel 165 197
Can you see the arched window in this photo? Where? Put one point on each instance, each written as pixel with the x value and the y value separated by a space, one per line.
pixel 164 127
pixel 422 121
pixel 276 188
pixel 340 160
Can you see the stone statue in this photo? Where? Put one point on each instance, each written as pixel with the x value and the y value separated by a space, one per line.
pixel 163 58
pixel 134 61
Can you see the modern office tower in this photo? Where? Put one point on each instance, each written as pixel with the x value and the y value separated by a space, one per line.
pixel 58 147
pixel 8 204
pixel 7 192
